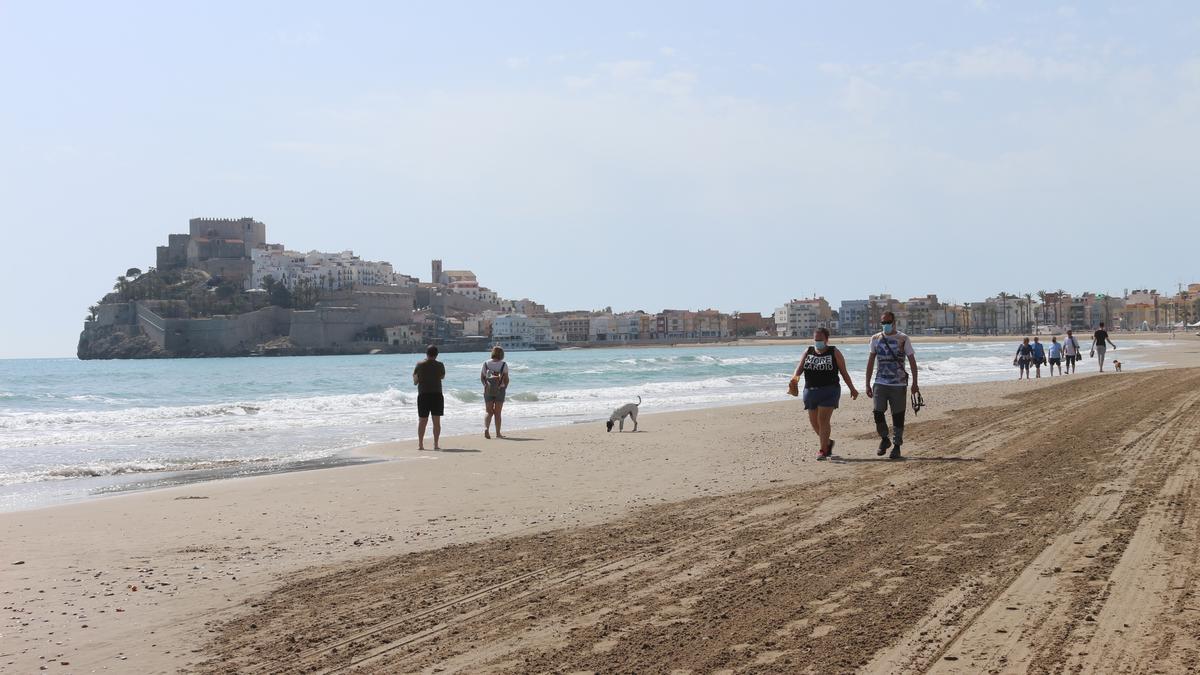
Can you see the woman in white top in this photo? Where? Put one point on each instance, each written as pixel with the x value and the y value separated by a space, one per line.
pixel 494 377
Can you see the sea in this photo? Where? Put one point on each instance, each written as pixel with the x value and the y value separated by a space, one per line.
pixel 73 429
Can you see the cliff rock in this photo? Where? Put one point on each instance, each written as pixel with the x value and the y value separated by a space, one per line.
pixel 117 342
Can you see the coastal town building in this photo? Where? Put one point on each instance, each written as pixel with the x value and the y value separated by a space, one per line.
pixel 451 277
pixel 948 319
pixel 329 271
pixel 710 323
pixel 674 324
pixel 521 328
pixel 918 315
pixel 404 335
pixel 572 327
pixel 527 307
pixel 854 317
pixel 746 324
pixel 601 327
pixel 480 324
pixel 623 327
pixel 799 318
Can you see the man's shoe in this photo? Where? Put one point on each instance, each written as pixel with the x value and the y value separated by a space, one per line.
pixel 895 454
pixel 883 447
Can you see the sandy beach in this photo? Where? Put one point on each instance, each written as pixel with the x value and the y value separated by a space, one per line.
pixel 1036 526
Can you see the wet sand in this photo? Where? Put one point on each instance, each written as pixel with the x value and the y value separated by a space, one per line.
pixel 1046 525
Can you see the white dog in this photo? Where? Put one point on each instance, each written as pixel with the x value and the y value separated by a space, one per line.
pixel 618 416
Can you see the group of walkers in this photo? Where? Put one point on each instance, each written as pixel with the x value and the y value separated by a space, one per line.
pixel 1031 356
pixel 890 352
pixel 428 376
pixel 892 361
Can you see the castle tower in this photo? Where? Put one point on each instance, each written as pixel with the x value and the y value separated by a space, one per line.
pixel 437 272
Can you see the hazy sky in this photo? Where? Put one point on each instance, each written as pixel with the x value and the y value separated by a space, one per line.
pixel 638 155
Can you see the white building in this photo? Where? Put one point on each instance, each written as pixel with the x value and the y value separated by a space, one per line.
pixel 601 328
pixel 472 289
pixel 627 327
pixel 801 317
pixel 327 270
pixel 526 329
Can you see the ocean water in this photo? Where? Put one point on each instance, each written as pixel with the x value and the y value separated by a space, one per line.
pixel 70 429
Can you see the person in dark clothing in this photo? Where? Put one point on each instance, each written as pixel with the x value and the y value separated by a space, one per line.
pixel 428 376
pixel 1024 359
pixel 820 368
pixel 1100 344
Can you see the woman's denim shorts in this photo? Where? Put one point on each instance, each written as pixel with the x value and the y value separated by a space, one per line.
pixel 822 397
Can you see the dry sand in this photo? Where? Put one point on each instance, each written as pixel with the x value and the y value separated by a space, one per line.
pixel 1044 526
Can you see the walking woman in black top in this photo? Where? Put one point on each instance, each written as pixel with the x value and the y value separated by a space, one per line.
pixel 820 367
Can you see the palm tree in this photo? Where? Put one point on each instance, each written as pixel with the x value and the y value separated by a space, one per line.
pixel 1028 311
pixel 1004 309
pixel 122 289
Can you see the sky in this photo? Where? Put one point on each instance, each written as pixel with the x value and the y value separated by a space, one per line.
pixel 626 154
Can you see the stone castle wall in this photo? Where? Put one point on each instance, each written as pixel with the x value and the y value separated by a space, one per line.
pixel 326 327
pixel 216 335
pixel 379 306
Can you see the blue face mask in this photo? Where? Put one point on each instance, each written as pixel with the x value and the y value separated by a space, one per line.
pixel 887 327
pixel 819 344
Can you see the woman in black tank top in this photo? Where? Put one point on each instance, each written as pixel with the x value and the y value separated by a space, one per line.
pixel 820 367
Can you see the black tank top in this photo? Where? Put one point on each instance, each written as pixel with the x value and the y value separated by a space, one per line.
pixel 820 370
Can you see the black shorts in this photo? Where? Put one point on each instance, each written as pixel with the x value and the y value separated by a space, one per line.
pixel 1055 362
pixel 1071 358
pixel 430 404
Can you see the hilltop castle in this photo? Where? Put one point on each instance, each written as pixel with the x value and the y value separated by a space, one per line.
pixel 220 246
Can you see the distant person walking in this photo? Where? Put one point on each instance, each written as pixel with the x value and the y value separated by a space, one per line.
pixel 1100 344
pixel 820 368
pixel 1023 358
pixel 891 349
pixel 1039 356
pixel 494 377
pixel 1055 355
pixel 1071 351
pixel 428 376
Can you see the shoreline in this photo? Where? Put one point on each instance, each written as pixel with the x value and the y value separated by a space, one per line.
pixel 87 489
pixel 864 339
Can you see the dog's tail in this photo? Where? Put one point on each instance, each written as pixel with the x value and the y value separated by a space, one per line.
pixel 639 400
